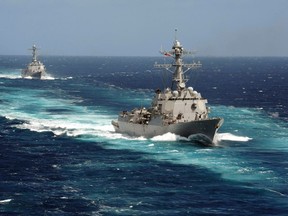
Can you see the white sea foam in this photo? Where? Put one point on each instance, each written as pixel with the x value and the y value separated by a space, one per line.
pixel 15 74
pixel 85 122
pixel 171 137
pixel 276 192
pixel 28 77
pixel 10 76
pixel 48 77
pixel 166 137
pixel 5 201
pixel 66 78
pixel 67 127
pixel 116 136
pixel 231 137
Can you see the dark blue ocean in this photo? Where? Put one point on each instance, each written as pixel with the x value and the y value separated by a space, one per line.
pixel 59 154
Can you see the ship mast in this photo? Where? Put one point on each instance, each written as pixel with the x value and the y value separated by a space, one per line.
pixel 178 75
pixel 34 54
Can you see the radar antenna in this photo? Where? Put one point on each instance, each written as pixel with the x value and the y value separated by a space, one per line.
pixel 34 53
pixel 176 53
pixel 175 34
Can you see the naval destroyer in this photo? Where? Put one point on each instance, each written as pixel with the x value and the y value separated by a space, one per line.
pixel 179 110
pixel 36 69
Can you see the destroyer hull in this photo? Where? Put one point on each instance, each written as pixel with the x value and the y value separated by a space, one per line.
pixel 33 75
pixel 205 128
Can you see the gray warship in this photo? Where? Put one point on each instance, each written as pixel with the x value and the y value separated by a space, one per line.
pixel 36 69
pixel 179 110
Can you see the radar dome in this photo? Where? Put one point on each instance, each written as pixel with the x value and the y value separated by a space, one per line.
pixel 175 93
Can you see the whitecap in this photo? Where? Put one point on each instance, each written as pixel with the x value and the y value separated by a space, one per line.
pixel 67 78
pixel 166 137
pixel 10 75
pixel 276 192
pixel 5 201
pixel 231 137
pixel 48 77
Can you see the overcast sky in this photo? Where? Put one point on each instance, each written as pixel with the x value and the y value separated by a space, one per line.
pixel 141 27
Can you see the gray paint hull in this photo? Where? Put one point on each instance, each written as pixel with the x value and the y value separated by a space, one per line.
pixel 33 75
pixel 206 128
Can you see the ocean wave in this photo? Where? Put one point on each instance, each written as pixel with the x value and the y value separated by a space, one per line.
pixel 48 77
pixel 5 201
pixel 17 75
pixel 231 137
pixel 66 78
pixel 62 127
pixel 10 75
pixel 168 137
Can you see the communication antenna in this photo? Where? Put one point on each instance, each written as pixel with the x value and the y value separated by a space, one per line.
pixel 175 34
pixel 180 68
pixel 34 53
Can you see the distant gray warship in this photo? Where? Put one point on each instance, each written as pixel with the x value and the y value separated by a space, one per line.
pixel 179 110
pixel 35 69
